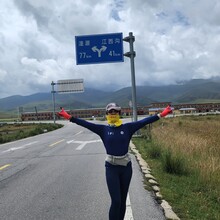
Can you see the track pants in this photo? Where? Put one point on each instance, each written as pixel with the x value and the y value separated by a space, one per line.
pixel 118 180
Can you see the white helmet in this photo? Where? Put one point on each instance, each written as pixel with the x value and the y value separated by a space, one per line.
pixel 114 106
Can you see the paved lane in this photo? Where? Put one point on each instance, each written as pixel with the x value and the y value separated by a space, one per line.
pixel 60 175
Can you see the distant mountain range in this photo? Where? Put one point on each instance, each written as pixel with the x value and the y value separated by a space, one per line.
pixel 194 91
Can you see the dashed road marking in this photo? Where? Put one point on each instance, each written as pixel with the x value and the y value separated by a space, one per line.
pixel 78 133
pixel 51 145
pixel 5 166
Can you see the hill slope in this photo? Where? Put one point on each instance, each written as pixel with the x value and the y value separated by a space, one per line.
pixel 188 92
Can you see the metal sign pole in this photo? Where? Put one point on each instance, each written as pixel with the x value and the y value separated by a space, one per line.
pixel 53 95
pixel 66 86
pixel 130 39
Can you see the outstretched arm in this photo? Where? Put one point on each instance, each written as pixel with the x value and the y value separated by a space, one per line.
pixel 134 126
pixel 96 128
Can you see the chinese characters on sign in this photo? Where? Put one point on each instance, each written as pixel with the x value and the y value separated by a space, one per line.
pixel 102 48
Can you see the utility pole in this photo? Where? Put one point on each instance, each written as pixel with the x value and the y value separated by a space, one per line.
pixel 53 96
pixel 36 112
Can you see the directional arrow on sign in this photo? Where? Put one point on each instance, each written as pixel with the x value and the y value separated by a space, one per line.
pixel 95 49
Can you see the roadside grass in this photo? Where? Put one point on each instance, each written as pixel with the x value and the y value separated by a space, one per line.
pixel 8 116
pixel 184 155
pixel 12 132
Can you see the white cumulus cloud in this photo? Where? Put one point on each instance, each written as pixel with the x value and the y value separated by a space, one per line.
pixel 174 41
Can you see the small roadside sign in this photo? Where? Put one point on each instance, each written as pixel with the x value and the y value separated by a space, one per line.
pixel 100 48
pixel 70 86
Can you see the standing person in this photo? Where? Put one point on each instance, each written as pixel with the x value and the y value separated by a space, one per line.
pixel 116 138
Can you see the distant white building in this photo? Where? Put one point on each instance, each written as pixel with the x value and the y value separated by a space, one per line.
pixel 187 110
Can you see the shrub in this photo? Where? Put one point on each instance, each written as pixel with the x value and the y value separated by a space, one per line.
pixel 146 132
pixel 180 123
pixel 19 135
pixel 154 151
pixel 19 131
pixel 174 164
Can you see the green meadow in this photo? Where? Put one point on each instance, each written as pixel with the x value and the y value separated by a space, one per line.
pixel 184 155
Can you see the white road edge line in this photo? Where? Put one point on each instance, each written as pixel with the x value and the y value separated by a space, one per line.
pixel 128 213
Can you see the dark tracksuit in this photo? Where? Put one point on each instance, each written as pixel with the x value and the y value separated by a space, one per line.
pixel 116 141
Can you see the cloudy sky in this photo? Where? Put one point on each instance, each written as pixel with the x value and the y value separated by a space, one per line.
pixel 175 40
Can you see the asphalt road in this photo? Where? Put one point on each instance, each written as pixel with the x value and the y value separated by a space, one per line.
pixel 60 175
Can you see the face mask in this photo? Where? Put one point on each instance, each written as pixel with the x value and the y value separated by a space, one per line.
pixel 114 120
